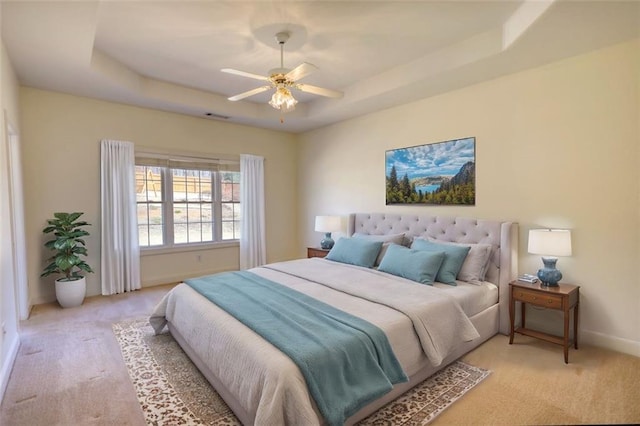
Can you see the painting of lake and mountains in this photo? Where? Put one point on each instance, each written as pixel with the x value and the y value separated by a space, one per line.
pixel 442 173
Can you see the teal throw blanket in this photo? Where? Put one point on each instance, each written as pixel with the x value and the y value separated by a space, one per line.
pixel 346 361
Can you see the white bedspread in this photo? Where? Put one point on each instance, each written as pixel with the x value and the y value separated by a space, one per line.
pixel 472 298
pixel 265 382
pixel 437 318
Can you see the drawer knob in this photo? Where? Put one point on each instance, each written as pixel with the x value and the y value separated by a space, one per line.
pixel 533 298
pixel 549 301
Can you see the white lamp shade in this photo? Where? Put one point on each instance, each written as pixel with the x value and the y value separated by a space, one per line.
pixel 550 242
pixel 328 223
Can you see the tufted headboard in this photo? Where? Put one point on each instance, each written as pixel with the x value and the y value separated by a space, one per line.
pixel 503 266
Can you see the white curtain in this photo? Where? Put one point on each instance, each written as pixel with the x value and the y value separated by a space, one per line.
pixel 252 234
pixel 120 259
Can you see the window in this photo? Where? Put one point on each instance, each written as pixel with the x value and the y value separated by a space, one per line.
pixel 186 201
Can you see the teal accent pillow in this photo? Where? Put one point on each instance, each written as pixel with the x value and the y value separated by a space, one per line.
pixel 355 251
pixel 454 257
pixel 415 265
pixel 386 240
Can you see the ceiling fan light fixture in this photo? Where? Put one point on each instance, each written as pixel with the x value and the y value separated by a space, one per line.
pixel 282 79
pixel 283 100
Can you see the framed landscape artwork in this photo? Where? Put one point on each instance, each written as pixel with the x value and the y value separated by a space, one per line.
pixel 442 173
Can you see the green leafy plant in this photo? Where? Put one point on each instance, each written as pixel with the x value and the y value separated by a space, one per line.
pixel 68 246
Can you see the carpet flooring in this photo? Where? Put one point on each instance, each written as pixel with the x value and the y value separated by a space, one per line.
pixel 171 391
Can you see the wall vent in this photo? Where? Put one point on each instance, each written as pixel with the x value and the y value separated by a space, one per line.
pixel 218 116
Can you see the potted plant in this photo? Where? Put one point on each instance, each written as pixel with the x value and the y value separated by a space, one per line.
pixel 68 245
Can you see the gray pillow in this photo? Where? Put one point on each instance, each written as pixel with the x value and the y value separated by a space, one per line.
pixel 385 239
pixel 475 265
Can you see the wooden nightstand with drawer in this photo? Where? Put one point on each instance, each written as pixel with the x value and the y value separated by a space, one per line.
pixel 316 252
pixel 562 298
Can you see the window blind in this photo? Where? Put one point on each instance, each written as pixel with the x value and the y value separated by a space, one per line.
pixel 185 162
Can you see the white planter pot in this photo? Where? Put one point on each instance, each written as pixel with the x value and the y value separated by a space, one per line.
pixel 71 293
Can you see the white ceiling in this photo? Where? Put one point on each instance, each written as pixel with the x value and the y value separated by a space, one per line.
pixel 168 54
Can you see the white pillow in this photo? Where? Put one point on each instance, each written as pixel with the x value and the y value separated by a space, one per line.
pixel 386 240
pixel 475 265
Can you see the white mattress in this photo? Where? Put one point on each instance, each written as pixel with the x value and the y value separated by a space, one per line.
pixel 472 298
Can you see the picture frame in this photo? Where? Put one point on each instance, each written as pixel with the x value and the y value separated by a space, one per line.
pixel 441 173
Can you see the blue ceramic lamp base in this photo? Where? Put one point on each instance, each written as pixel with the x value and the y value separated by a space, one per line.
pixel 549 275
pixel 327 242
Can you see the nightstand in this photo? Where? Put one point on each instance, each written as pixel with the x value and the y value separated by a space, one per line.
pixel 316 252
pixel 561 298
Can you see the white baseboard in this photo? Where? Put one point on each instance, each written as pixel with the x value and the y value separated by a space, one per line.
pixel 45 299
pixel 145 283
pixel 7 366
pixel 179 278
pixel 618 344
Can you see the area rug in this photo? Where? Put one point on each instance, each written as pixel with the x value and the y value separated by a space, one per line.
pixel 171 390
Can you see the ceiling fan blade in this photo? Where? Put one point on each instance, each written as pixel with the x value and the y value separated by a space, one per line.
pixel 244 74
pixel 302 70
pixel 249 93
pixel 319 91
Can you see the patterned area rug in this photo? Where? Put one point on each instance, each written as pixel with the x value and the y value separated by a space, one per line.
pixel 172 391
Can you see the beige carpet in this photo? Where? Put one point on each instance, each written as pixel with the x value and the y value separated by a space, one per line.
pixel 69 371
pixel 172 391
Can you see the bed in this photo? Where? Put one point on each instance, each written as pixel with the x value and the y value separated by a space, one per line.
pixel 262 385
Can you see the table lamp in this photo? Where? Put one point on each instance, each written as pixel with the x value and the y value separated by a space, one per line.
pixel 328 224
pixel 550 243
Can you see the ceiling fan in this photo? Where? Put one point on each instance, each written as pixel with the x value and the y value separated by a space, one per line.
pixel 282 79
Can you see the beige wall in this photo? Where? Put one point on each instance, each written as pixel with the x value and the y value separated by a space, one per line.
pixel 556 146
pixel 62 169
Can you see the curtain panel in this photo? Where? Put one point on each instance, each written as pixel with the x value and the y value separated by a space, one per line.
pixel 252 234
pixel 120 257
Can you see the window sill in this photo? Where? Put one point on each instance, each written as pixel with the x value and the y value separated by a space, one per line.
pixel 150 251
